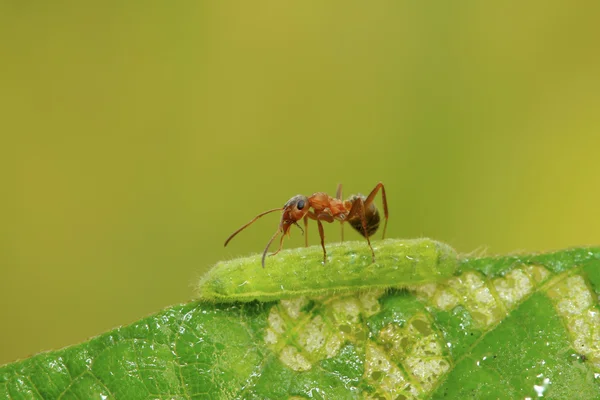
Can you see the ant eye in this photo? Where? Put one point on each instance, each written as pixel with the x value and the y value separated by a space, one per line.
pixel 300 205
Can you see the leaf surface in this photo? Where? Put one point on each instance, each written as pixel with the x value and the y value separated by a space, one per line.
pixel 500 327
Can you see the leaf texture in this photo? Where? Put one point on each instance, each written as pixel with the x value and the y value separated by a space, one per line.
pixel 501 327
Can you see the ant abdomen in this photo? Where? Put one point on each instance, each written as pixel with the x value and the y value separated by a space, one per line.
pixel 371 216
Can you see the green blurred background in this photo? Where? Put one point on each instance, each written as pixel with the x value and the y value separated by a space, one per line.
pixel 135 137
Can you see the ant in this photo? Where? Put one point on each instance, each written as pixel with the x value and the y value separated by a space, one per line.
pixel 359 211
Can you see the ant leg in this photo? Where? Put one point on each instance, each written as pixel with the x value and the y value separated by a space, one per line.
pixel 358 207
pixel 322 234
pixel 338 195
pixel 299 227
pixel 306 231
pixel 321 217
pixel 370 198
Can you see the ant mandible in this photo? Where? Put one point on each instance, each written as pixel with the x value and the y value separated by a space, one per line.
pixel 359 211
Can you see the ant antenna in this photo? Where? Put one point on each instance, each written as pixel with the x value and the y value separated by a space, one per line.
pixel 250 223
pixel 269 245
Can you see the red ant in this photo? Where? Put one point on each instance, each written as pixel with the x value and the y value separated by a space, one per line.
pixel 358 210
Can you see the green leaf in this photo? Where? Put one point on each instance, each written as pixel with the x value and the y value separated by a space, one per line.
pixel 501 327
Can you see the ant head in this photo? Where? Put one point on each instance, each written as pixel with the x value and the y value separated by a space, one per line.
pixel 293 211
